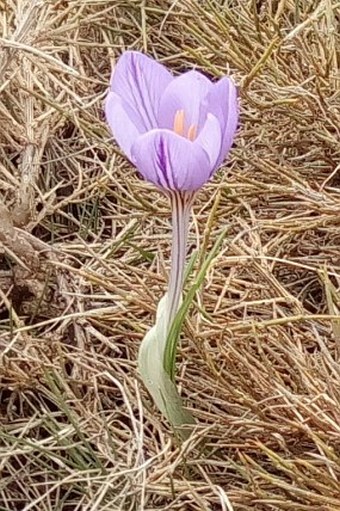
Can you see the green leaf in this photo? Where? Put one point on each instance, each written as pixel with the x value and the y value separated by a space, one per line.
pixel 170 350
pixel 157 354
pixel 157 380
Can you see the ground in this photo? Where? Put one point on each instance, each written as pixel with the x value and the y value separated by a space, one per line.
pixel 84 258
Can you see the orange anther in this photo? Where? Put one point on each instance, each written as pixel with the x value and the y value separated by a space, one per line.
pixel 192 132
pixel 179 122
pixel 179 127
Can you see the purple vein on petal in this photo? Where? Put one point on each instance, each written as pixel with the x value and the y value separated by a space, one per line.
pixel 137 77
pixel 140 81
pixel 164 162
pixel 164 157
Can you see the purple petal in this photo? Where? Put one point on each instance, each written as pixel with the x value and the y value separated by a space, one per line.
pixel 140 82
pixel 124 130
pixel 222 103
pixel 170 161
pixel 186 92
pixel 210 138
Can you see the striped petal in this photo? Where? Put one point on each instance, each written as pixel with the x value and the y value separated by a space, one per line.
pixel 140 82
pixel 170 161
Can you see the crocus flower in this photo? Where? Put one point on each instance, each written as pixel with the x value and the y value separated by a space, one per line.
pixel 176 131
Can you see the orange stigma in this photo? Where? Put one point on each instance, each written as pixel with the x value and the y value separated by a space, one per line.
pixel 179 128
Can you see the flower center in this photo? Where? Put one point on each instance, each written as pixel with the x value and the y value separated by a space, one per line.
pixel 179 128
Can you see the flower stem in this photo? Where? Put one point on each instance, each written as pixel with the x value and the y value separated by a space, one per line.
pixel 181 208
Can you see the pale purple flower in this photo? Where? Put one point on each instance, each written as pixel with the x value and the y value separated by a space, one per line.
pixel 175 130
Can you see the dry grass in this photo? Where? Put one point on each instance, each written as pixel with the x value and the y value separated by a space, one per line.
pixel 84 251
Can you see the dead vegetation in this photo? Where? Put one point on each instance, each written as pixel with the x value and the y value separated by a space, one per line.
pixel 84 250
